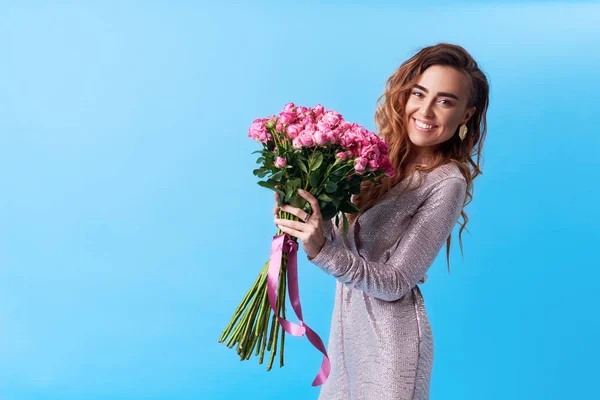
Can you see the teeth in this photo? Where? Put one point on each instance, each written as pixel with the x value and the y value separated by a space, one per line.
pixel 424 126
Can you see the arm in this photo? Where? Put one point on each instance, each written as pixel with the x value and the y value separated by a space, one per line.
pixel 329 230
pixel 428 230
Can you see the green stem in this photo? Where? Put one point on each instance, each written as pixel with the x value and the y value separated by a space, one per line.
pixel 242 325
pixel 264 330
pixel 274 351
pixel 240 309
pixel 246 337
pixel 259 329
pixel 243 310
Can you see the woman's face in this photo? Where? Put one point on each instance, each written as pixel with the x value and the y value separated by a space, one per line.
pixel 436 107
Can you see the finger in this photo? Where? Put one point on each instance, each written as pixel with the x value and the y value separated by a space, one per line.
pixel 293 232
pixel 296 225
pixel 293 210
pixel 314 204
pixel 301 214
pixel 276 207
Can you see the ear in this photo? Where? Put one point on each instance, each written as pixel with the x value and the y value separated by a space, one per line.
pixel 468 114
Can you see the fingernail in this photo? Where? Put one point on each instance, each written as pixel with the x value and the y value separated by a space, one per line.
pixel 301 191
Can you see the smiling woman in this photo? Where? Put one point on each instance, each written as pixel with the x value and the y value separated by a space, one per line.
pixel 436 106
pixel 381 342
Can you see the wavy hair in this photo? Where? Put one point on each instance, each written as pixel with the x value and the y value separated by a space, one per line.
pixel 392 123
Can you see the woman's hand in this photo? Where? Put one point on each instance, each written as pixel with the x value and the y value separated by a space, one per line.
pixel 310 232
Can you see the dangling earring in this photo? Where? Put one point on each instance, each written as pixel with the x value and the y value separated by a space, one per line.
pixel 462 132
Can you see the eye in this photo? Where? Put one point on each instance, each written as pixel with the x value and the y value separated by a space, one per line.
pixel 446 102
pixel 418 93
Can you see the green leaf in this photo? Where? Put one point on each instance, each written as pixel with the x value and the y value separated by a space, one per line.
pixel 260 159
pixel 326 198
pixel 271 185
pixel 263 173
pixel 296 183
pixel 303 166
pixel 267 184
pixel 298 201
pixel 257 151
pixel 349 207
pixel 331 187
pixel 336 176
pixel 277 176
pixel 314 178
pixel 281 194
pixel 289 192
pixel 327 211
pixel 318 161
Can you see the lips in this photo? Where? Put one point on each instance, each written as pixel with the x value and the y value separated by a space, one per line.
pixel 424 126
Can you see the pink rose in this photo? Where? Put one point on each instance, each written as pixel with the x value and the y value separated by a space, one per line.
pixel 371 152
pixel 289 107
pixel 332 137
pixel 310 128
pixel 360 164
pixel 344 126
pixel 293 130
pixel 322 125
pixel 306 139
pixel 287 117
pixel 257 128
pixel 342 156
pixel 279 126
pixel 280 162
pixel 302 110
pixel 309 119
pixel 265 137
pixel 296 143
pixel 321 137
pixel 318 109
pixel 390 171
pixel 383 146
pixel 331 118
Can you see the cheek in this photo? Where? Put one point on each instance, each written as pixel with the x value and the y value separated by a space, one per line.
pixel 450 119
pixel 410 108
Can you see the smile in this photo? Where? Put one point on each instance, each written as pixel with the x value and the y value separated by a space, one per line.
pixel 424 127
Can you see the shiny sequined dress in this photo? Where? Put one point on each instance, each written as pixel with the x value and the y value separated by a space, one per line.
pixel 381 342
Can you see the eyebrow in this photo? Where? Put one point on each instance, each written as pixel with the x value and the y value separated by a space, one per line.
pixel 446 94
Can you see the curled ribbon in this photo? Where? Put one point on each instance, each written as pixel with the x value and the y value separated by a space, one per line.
pixel 284 243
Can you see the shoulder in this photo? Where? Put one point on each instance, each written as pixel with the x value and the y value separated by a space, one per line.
pixel 445 176
pixel 446 184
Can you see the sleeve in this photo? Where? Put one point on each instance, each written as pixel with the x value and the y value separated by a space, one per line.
pixel 329 230
pixel 420 243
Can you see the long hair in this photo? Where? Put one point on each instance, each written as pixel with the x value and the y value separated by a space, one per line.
pixel 392 123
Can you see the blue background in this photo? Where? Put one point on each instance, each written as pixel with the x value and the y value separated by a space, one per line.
pixel 131 223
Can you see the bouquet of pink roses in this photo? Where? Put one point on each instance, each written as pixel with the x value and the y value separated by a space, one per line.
pixel 318 151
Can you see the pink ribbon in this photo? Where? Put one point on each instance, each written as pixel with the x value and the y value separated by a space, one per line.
pixel 284 243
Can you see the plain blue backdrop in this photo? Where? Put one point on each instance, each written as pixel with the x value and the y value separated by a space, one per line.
pixel 131 223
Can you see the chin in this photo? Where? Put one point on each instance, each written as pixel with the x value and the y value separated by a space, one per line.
pixel 418 141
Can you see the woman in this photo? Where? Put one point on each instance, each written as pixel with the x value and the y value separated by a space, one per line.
pixel 433 118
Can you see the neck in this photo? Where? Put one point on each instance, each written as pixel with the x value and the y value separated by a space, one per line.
pixel 422 156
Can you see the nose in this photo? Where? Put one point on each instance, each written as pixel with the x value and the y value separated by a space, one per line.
pixel 426 109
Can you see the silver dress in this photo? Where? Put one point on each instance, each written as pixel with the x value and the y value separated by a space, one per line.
pixel 381 343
